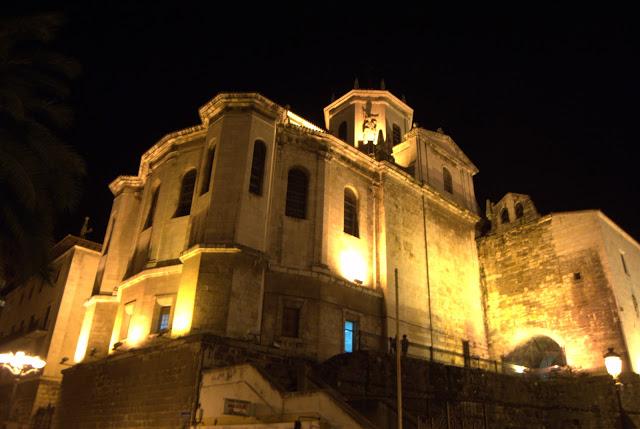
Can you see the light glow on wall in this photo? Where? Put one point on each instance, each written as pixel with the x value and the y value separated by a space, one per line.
pixel 182 322
pixel 353 266
pixel 85 331
pixel 137 331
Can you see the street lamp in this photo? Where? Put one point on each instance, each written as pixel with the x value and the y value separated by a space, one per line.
pixel 613 363
pixel 19 364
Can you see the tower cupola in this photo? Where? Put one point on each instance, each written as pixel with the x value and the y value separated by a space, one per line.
pixel 371 120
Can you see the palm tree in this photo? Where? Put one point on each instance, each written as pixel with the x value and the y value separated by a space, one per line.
pixel 39 175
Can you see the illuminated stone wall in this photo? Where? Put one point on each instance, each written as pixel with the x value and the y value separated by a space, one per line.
pixel 550 276
pixel 450 261
pixel 219 261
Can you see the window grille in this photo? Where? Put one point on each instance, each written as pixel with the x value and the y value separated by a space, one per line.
pixel 296 203
pixel 257 167
pixel 186 194
pixel 351 213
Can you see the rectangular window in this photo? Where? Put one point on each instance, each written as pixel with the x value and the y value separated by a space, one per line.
pixel 127 313
pixel 290 322
pixel 350 328
pixel 624 264
pixel 163 318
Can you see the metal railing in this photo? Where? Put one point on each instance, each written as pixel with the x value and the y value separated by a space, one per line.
pixel 369 341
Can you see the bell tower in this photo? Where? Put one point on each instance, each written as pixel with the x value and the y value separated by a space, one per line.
pixel 372 120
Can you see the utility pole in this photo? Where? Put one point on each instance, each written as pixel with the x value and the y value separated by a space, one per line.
pixel 398 358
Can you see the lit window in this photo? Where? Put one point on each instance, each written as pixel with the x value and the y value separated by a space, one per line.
pixel 342 131
pixel 350 328
pixel 152 208
pixel 290 322
pixel 447 180
pixel 519 210
pixel 208 168
pixel 296 204
pixel 186 194
pixel 351 213
pixel 397 134
pixel 504 216
pixel 257 167
pixel 163 318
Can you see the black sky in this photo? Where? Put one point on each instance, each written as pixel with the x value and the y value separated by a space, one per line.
pixel 542 101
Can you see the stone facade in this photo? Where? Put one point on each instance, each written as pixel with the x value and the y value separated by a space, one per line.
pixel 260 229
pixel 236 263
pixel 560 276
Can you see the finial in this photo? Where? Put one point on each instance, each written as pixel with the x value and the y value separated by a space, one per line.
pixel 404 99
pixel 85 228
pixel 440 130
pixel 382 84
pixel 333 97
pixel 356 84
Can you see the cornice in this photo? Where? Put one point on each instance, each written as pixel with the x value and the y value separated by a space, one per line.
pixel 122 182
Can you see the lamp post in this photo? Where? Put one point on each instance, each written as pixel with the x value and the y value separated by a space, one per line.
pixel 613 363
pixel 19 365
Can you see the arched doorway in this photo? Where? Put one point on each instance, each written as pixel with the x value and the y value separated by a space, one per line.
pixel 537 352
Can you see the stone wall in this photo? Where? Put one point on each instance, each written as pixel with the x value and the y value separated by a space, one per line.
pixel 152 387
pixel 452 397
pixel 156 387
pixel 535 286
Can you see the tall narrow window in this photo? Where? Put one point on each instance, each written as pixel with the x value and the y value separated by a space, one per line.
pixel 163 318
pixel 127 314
pixel 342 131
pixel 504 216
pixel 45 321
pixel 152 208
pixel 290 322
pixel 447 181
pixel 297 184
pixel 208 168
pixel 397 134
pixel 351 213
pixel 107 244
pixel 519 210
pixel 257 167
pixel 186 194
pixel 624 264
pixel 350 328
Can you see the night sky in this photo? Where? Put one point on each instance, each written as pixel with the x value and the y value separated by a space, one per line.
pixel 543 101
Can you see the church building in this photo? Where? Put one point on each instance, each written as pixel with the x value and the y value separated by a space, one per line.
pixel 258 233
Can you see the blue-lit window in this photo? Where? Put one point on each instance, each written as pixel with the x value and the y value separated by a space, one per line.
pixel 163 319
pixel 349 336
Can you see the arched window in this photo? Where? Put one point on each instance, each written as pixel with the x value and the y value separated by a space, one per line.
pixel 519 210
pixel 447 181
pixel 257 167
pixel 397 134
pixel 342 131
pixel 504 216
pixel 351 213
pixel 297 184
pixel 208 167
pixel 152 208
pixel 186 194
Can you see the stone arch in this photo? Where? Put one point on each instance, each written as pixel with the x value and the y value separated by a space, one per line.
pixel 539 351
